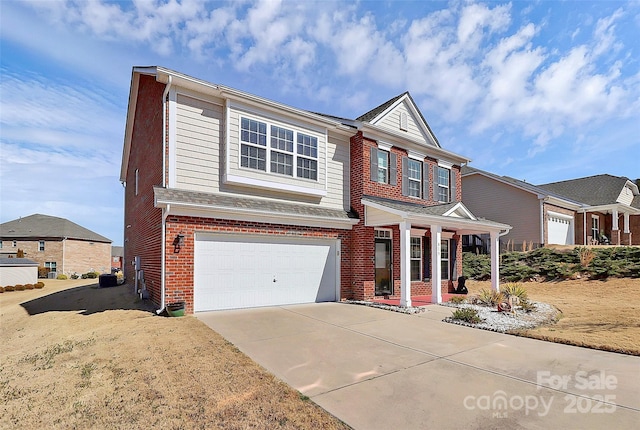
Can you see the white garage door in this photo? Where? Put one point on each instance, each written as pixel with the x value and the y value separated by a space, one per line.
pixel 241 272
pixel 560 229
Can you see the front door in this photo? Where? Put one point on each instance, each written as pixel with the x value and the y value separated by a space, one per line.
pixel 384 280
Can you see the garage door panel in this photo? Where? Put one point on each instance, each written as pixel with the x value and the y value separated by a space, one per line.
pixel 236 272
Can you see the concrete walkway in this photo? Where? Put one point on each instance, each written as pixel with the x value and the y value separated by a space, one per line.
pixel 376 369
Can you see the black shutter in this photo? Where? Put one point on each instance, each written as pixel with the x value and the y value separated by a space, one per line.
pixel 426 265
pixel 374 164
pixel 405 176
pixel 435 183
pixel 425 180
pixel 452 186
pixel 393 169
pixel 453 253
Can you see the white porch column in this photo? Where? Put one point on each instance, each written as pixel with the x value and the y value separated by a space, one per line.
pixel 405 264
pixel 614 219
pixel 436 266
pixel 626 223
pixel 495 261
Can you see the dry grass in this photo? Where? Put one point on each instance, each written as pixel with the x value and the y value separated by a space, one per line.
pixel 596 314
pixel 74 356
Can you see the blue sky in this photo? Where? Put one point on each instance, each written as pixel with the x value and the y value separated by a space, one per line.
pixel 541 91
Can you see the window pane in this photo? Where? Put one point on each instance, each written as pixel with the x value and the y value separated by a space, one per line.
pixel 307 168
pixel 252 157
pixel 415 270
pixel 281 139
pixel 252 131
pixel 415 170
pixel 281 163
pixel 307 145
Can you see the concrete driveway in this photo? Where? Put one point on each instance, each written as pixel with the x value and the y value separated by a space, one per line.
pixel 377 369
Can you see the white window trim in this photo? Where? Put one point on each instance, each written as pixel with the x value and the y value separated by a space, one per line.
pixel 418 156
pixel 445 164
pixel 41 245
pixel 445 274
pixel 386 169
pixel 269 149
pixel 420 180
pixel 386 231
pixel 448 187
pixel 384 146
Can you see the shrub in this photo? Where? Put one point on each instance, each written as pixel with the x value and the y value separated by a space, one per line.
pixel 457 300
pixel 476 266
pixel 586 255
pixel 28 286
pixel 517 272
pixel 490 297
pixel 75 276
pixel 62 277
pixel 467 315
pixel 19 287
pixel 43 272
pixel 1 289
pixel 39 285
pixel 9 288
pixel 514 290
pixel 90 275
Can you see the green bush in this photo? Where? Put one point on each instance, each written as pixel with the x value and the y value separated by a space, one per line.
pixel 467 314
pixel 62 277
pixel 476 266
pixel 91 275
pixel 517 272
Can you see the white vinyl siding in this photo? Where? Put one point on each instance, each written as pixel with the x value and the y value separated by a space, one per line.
pixel 393 120
pixel 199 131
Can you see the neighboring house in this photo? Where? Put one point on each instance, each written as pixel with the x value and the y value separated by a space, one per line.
pixel 117 257
pixel 610 207
pixel 232 200
pixel 555 213
pixel 57 244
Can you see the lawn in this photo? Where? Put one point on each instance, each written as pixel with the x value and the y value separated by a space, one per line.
pixel 75 356
pixel 596 314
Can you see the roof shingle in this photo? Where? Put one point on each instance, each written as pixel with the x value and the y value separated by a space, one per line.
pixel 45 226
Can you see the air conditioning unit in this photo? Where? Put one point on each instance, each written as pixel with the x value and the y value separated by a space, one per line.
pixel 52 275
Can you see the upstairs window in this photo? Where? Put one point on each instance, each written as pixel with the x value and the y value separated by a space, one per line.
pixel 282 155
pixel 445 181
pixel 411 178
pixel 383 166
pixel 41 245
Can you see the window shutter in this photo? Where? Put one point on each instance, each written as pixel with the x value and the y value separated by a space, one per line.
pixel 453 253
pixel 452 186
pixel 393 169
pixel 427 257
pixel 405 176
pixel 374 164
pixel 425 180
pixel 435 183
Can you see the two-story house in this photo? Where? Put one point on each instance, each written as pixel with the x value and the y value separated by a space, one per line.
pixel 232 200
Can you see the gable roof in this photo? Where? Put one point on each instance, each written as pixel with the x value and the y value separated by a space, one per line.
pixel 45 226
pixel 376 112
pixel 592 190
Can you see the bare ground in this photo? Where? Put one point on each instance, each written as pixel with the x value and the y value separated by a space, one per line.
pixel 595 314
pixel 76 356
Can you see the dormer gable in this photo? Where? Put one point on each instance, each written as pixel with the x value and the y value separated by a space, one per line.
pixel 401 116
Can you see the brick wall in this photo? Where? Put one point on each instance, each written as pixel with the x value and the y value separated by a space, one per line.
pixel 143 222
pixel 52 251
pixel 82 257
pixel 179 265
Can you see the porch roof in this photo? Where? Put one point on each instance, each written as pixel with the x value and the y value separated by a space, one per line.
pixel 380 211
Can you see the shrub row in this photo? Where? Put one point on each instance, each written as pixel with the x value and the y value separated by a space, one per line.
pixel 20 287
pixel 550 264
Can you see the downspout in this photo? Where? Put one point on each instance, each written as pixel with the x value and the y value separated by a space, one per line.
pixel 165 211
pixel 542 220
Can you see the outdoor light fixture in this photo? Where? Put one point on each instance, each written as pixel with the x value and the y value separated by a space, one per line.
pixel 178 242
